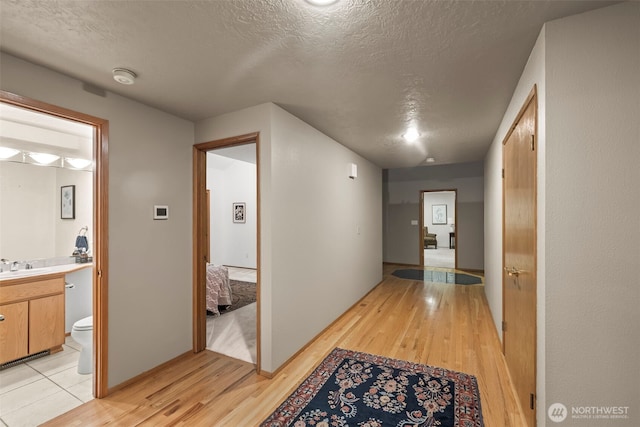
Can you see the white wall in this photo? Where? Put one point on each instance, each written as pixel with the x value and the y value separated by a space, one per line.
pixel 327 231
pixel 593 153
pixel 231 181
pixel 310 214
pixel 67 229
pixel 402 189
pixel 586 68
pixel 149 261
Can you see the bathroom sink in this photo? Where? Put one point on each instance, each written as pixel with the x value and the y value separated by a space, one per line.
pixel 25 273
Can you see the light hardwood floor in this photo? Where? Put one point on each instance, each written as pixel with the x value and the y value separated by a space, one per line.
pixel 437 324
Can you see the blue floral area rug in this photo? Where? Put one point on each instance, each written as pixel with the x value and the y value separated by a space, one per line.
pixel 350 388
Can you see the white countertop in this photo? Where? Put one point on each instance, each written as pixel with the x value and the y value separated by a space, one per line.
pixel 44 271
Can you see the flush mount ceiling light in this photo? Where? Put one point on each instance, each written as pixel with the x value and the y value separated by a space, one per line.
pixel 6 152
pixel 411 135
pixel 77 163
pixel 44 158
pixel 124 76
pixel 321 2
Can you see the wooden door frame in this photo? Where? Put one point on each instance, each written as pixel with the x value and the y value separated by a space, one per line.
pixel 199 227
pixel 455 221
pixel 100 224
pixel 532 97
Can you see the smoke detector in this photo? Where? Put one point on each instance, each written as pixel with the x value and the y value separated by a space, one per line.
pixel 124 76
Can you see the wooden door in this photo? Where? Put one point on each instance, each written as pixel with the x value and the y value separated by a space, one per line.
pixel 519 256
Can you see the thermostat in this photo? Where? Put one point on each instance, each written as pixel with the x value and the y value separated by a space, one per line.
pixel 160 212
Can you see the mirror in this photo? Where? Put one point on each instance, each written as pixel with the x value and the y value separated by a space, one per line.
pixel 33 223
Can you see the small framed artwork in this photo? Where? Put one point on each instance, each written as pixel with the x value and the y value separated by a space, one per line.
pixel 68 202
pixel 239 211
pixel 439 214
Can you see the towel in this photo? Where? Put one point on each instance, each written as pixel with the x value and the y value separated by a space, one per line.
pixel 82 242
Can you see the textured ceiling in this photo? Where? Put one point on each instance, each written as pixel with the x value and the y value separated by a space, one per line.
pixel 360 71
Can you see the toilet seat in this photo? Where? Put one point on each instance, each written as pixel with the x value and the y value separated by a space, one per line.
pixel 85 324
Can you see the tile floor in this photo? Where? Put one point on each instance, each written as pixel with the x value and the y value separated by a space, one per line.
pixel 37 391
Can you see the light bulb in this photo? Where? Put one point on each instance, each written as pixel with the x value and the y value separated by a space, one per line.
pixel 411 135
pixel 78 163
pixel 44 158
pixel 6 152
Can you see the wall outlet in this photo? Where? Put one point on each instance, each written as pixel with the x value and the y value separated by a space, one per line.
pixel 414 222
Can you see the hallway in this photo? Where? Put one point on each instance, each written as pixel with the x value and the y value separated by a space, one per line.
pixel 437 324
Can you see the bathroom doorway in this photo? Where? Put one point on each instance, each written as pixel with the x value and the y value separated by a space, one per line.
pixel 239 220
pixel 99 184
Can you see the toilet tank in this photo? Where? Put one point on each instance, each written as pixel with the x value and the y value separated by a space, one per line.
pixel 78 297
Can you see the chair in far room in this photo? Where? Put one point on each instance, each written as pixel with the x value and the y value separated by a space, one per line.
pixel 430 239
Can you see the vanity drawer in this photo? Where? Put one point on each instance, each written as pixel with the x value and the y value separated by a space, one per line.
pixel 32 289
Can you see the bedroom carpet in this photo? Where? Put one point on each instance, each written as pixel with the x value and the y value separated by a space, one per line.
pixel 242 294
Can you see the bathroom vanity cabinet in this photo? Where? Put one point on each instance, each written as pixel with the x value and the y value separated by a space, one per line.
pixel 32 316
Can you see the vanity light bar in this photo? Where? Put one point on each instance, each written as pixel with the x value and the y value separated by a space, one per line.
pixel 44 159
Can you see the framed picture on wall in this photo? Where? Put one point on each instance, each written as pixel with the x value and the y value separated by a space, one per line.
pixel 439 214
pixel 239 212
pixel 68 202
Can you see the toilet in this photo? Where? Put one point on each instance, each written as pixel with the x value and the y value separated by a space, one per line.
pixel 82 333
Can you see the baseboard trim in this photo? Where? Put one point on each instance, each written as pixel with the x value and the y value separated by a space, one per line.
pixel 271 375
pixel 148 373
pixel 266 374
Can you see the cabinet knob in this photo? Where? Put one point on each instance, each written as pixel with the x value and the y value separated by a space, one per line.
pixel 1 317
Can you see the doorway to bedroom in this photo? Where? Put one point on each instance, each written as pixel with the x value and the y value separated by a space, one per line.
pixel 232 203
pixel 226 227
pixel 438 232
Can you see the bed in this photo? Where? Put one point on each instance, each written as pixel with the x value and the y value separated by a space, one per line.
pixel 218 288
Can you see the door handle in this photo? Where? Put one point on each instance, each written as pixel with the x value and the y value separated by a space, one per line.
pixel 512 271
